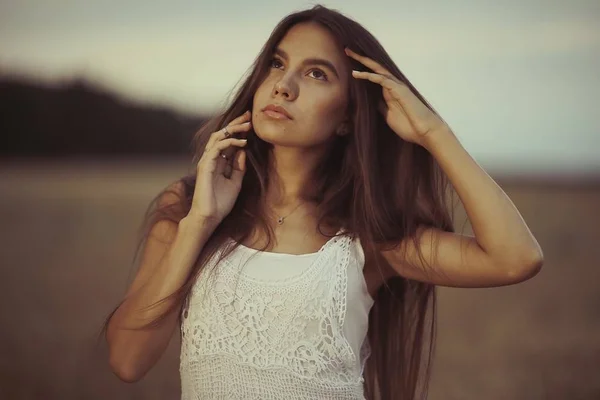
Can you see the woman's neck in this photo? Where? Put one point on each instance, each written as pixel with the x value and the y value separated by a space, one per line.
pixel 290 176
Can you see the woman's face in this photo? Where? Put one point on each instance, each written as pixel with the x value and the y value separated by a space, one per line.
pixel 308 78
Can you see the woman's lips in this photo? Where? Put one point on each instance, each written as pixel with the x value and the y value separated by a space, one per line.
pixel 276 111
pixel 275 114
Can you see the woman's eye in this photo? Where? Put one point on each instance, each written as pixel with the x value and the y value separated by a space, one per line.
pixel 315 73
pixel 275 63
pixel 318 74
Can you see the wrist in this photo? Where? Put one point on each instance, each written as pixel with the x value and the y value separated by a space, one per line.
pixel 437 139
pixel 200 222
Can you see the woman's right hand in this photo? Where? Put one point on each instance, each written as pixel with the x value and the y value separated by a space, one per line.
pixel 219 179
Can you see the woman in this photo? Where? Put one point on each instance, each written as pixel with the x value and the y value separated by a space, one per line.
pixel 316 213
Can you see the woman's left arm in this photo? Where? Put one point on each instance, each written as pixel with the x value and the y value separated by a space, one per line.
pixel 503 250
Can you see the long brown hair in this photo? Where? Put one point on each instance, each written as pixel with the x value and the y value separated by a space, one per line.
pixel 375 185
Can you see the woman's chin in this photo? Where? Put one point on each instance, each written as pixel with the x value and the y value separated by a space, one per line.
pixel 275 135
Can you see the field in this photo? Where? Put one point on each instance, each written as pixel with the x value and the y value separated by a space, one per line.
pixel 68 232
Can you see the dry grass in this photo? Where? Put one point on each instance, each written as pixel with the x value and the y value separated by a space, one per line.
pixel 68 233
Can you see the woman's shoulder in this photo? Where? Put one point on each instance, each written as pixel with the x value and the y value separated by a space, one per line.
pixel 171 194
pixel 167 208
pixel 174 192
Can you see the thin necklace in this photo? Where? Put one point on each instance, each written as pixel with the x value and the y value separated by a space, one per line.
pixel 281 219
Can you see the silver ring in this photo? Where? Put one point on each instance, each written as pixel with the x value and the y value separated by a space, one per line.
pixel 227 134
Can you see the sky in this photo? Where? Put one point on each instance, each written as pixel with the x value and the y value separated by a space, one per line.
pixel 518 81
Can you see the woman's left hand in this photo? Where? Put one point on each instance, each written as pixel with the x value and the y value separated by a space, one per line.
pixel 405 114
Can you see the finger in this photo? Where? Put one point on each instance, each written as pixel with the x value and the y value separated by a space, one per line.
pixel 239 166
pixel 220 146
pixel 215 152
pixel 215 157
pixel 222 161
pixel 375 78
pixel 230 131
pixel 221 134
pixel 383 108
pixel 227 132
pixel 242 118
pixel 224 152
pixel 367 62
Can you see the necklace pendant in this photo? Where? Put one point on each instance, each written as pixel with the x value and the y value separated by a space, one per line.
pixel 280 220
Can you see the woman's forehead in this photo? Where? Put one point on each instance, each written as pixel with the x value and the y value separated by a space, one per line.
pixel 311 40
pixel 310 36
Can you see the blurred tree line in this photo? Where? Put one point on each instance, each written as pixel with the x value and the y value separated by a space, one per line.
pixel 78 119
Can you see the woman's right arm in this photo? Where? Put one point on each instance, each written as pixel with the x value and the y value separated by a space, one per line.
pixel 169 254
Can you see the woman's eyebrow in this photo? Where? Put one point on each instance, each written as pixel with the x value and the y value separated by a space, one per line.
pixel 311 61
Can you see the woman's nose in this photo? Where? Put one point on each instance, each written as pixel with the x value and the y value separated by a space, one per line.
pixel 283 88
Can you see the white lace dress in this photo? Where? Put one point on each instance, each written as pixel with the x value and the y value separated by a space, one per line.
pixel 278 326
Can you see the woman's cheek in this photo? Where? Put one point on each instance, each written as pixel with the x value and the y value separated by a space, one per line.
pixel 330 110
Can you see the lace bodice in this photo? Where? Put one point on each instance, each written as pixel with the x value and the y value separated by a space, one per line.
pixel 247 337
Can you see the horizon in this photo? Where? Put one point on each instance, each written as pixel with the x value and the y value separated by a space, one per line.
pixel 517 82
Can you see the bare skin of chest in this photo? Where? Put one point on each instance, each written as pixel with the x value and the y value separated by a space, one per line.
pixel 292 239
